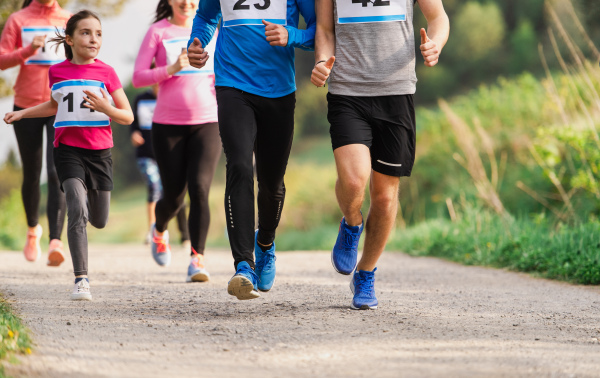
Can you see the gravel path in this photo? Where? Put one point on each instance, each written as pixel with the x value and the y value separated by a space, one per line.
pixel 434 319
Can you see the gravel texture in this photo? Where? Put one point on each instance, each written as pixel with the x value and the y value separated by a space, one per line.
pixel 435 318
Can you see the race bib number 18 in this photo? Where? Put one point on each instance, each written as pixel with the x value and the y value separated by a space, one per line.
pixel 366 11
pixel 71 110
pixel 46 55
pixel 252 12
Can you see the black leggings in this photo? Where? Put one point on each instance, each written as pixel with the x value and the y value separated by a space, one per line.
pixel 187 158
pixel 30 138
pixel 265 126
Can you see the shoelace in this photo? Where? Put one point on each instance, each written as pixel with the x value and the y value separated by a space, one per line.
pixel 197 259
pixel 365 283
pixel 350 240
pixel 250 272
pixel 266 262
pixel 161 244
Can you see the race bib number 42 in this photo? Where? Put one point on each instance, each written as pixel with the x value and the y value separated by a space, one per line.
pixel 175 46
pixel 365 11
pixel 252 12
pixel 71 110
pixel 46 55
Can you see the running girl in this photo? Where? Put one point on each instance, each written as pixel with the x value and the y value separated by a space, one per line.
pixel 23 44
pixel 185 133
pixel 82 145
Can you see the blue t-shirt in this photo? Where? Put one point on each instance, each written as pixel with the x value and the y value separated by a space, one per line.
pixel 243 57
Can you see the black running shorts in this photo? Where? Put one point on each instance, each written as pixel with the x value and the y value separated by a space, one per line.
pixel 92 167
pixel 385 124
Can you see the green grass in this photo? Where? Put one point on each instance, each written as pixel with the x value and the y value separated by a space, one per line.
pixel 14 337
pixel 564 252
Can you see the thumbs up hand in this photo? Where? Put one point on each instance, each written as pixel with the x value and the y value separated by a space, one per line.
pixel 196 54
pixel 277 35
pixel 429 50
pixel 321 72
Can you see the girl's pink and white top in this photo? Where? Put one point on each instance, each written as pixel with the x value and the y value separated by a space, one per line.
pixel 77 125
pixel 186 98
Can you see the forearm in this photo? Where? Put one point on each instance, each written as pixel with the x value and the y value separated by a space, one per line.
pixel 47 109
pixel 324 44
pixel 146 77
pixel 438 29
pixel 15 58
pixel 121 116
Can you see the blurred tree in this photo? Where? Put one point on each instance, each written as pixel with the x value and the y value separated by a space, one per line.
pixel 523 43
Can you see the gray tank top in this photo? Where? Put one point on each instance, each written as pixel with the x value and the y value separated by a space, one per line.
pixel 374 48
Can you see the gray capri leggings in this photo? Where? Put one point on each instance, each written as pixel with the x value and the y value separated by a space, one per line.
pixel 82 206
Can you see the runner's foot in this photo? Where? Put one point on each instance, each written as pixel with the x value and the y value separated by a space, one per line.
pixel 196 270
pixel 243 283
pixel 363 288
pixel 55 254
pixel 161 251
pixel 345 250
pixel 32 249
pixel 265 265
pixel 81 291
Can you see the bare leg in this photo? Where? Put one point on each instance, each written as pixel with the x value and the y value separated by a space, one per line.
pixel 382 214
pixel 353 163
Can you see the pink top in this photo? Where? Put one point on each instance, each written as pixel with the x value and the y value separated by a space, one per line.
pixel 186 98
pixel 31 88
pixel 70 130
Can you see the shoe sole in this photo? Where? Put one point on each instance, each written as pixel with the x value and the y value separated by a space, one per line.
pixel 81 297
pixel 242 288
pixel 199 277
pixel 363 307
pixel 55 258
pixel 336 269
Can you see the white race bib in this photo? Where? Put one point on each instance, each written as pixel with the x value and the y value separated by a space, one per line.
pixel 366 11
pixel 145 113
pixel 70 98
pixel 48 54
pixel 174 48
pixel 252 12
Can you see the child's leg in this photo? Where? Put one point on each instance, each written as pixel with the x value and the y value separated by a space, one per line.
pixel 98 206
pixel 78 214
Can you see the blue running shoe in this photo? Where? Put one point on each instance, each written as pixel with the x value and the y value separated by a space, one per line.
pixel 345 250
pixel 161 251
pixel 243 283
pixel 363 288
pixel 265 265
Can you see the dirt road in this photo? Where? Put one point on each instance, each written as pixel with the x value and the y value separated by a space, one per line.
pixel 435 319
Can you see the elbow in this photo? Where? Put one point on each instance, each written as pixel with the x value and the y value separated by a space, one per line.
pixel 136 80
pixel 128 119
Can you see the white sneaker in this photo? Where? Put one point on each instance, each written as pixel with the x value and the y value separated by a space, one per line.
pixel 81 291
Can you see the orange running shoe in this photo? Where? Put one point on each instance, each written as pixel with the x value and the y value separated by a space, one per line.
pixel 55 254
pixel 32 249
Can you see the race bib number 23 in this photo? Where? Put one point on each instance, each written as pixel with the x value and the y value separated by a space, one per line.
pixel 252 12
pixel 366 11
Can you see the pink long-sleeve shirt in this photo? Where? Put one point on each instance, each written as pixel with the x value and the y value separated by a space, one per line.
pixel 186 98
pixel 32 87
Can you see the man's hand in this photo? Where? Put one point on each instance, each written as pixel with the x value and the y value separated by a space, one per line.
pixel 196 54
pixel 38 41
pixel 12 117
pixel 321 72
pixel 181 63
pixel 429 50
pixel 277 35
pixel 137 139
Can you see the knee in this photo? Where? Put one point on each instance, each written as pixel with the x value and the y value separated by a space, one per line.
pixel 198 193
pixel 354 185
pixel 386 201
pixel 240 170
pixel 99 223
pixel 77 212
